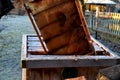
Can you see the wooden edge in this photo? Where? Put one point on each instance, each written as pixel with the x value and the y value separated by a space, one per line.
pixel 82 18
pixel 24 49
pixel 63 61
pixel 48 61
pixel 105 48
pixel 47 7
pixel 30 15
pixel 24 74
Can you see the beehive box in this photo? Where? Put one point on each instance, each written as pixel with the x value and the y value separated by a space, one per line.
pixel 51 67
pixel 62 26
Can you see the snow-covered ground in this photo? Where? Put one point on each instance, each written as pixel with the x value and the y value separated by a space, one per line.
pixel 12 28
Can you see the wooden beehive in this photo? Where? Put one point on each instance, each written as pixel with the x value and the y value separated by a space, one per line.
pixel 56 67
pixel 62 26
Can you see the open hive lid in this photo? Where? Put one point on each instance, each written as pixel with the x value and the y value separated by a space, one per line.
pixel 62 26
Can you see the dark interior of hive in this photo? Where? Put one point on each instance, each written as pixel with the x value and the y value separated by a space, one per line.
pixel 60 26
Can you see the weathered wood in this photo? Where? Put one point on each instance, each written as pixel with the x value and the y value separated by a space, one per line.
pixel 84 73
pixel 31 60
pixel 62 26
pixel 35 48
pixel 104 48
pixel 24 74
pixel 50 67
pixel 97 47
pixel 83 21
pixel 44 74
pixel 24 50
pixel 34 45
pixel 41 5
pixel 33 38
pixel 35 27
pixel 42 61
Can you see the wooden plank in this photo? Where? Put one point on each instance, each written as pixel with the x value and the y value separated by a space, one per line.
pixel 81 16
pixel 35 26
pixel 44 74
pixel 38 6
pixel 24 50
pixel 52 30
pixel 34 45
pixel 56 14
pixel 24 74
pixel 103 47
pixel 32 38
pixel 52 21
pixel 84 73
pixel 97 48
pixel 37 44
pixel 34 42
pixel 35 48
pixel 48 61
